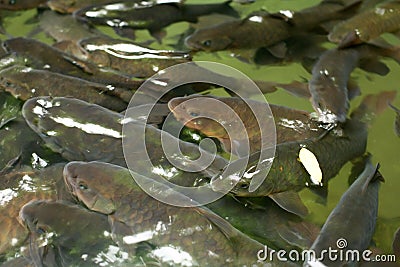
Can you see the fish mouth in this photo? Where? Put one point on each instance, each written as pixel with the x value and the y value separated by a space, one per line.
pixel 193 46
pixel 174 102
pixel 28 112
pixel 70 176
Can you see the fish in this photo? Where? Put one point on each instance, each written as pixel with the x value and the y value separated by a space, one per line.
pixel 38 55
pixel 367 25
pixel 74 235
pixel 20 4
pixel 65 27
pixel 128 16
pixel 397 120
pixel 298 48
pixel 262 29
pixel 311 17
pixel 331 75
pixel 70 6
pixel 202 113
pixel 20 145
pixel 78 130
pixel 41 113
pixel 24 83
pixel 132 213
pixel 266 222
pixel 130 58
pixel 369 4
pixel 19 186
pixel 359 201
pixel 259 29
pixel 281 176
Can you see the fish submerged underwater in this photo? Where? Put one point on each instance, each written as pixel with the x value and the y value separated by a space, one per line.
pixel 328 73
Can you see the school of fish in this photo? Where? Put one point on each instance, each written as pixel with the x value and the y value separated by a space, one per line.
pixel 70 197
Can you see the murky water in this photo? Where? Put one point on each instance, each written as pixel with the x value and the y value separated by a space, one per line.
pixel 383 144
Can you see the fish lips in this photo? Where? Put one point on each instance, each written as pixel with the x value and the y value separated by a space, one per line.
pixel 70 176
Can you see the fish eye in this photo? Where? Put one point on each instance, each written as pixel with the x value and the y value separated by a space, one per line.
pixel 12 2
pixel 83 186
pixel 40 230
pixel 244 186
pixel 206 43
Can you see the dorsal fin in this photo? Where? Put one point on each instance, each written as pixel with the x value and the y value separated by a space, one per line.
pixel 374 176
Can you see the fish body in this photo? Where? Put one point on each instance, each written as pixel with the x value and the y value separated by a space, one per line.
pixel 298 48
pixel 20 4
pixel 202 113
pixel 309 18
pixel 266 222
pixel 132 213
pixel 77 234
pixel 51 120
pixel 18 188
pixel 130 58
pixel 39 55
pixel 24 83
pixel 328 85
pixel 259 29
pixel 153 17
pixel 359 201
pixel 367 25
pixel 70 6
pixel 287 173
pixel 82 131
pixel 65 27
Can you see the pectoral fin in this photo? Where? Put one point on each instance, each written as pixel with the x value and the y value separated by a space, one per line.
pixel 291 202
pixel 279 50
pixel 244 55
pixel 375 66
pixel 300 234
pixel 321 192
pixel 296 88
pixel 158 34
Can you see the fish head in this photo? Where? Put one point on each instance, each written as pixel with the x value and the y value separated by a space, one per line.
pixel 208 39
pixel 331 103
pixel 198 113
pixel 10 82
pixel 62 6
pixel 91 185
pixel 32 216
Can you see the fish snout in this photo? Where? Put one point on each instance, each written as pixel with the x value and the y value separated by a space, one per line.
pixel 174 102
pixel 28 214
pixel 192 44
pixel 70 174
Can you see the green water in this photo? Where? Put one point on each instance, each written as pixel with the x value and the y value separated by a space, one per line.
pixel 383 144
